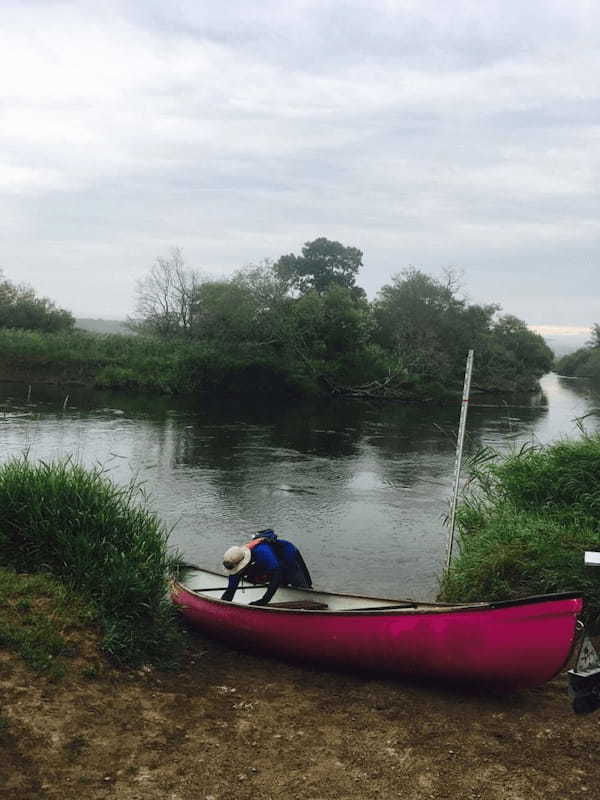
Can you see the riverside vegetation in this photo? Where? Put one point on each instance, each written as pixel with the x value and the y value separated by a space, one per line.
pixel 525 524
pixel 585 362
pixel 83 561
pixel 78 553
pixel 300 326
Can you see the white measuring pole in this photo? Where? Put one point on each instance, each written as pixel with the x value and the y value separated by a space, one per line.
pixel 459 450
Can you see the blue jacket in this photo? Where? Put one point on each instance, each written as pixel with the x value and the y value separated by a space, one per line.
pixel 282 565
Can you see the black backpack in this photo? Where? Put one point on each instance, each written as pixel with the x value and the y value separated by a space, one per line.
pixel 269 536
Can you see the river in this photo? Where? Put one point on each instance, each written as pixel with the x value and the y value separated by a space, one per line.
pixel 362 490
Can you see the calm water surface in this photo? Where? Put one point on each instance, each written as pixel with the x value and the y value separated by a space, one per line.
pixel 363 491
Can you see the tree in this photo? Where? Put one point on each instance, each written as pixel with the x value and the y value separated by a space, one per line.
pixel 224 311
pixel 323 263
pixel 584 362
pixel 165 298
pixel 21 308
pixel 428 328
pixel 269 291
pixel 511 357
pixel 527 347
pixel 594 340
pixel 332 336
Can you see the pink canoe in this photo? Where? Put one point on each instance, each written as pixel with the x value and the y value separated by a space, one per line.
pixel 504 645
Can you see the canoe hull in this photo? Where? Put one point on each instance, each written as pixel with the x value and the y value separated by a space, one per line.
pixel 507 646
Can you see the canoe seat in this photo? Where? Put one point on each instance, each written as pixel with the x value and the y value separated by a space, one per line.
pixel 305 605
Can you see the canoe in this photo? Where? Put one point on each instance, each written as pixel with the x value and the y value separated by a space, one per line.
pixel 506 645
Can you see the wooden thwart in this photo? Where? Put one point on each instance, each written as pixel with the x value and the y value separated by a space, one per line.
pixel 224 588
pixel 306 605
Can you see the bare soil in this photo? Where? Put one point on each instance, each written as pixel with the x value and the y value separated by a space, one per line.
pixel 231 725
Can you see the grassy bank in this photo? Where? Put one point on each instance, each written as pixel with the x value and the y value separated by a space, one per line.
pixel 522 530
pixel 147 363
pixel 107 360
pixel 257 363
pixel 75 525
pixel 526 523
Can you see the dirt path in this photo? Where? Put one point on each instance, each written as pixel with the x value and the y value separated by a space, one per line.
pixel 243 727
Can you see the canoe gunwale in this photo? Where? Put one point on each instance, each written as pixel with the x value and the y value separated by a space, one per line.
pixel 398 606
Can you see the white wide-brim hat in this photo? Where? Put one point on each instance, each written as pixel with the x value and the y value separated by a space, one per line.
pixel 235 559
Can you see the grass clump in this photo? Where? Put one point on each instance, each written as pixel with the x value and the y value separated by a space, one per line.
pixel 74 523
pixel 526 523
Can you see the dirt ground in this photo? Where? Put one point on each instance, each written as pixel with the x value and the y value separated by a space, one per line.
pixel 232 725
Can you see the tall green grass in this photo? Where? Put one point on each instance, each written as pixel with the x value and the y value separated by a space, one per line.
pixel 108 360
pixel 79 345
pixel 525 524
pixel 95 536
pixel 147 363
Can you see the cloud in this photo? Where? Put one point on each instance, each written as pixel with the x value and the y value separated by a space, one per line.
pixel 465 136
pixel 560 330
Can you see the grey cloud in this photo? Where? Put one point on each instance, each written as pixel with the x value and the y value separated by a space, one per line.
pixel 425 136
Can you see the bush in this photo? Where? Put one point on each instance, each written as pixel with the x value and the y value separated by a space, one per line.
pixel 20 307
pixel 525 526
pixel 583 363
pixel 77 525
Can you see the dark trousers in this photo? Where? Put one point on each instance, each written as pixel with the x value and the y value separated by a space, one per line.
pixel 298 575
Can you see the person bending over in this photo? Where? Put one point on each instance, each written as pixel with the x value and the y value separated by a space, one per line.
pixel 265 559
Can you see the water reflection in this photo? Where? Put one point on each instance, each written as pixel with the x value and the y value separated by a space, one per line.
pixel 362 489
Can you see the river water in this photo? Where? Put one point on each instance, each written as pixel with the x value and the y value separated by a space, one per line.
pixel 363 491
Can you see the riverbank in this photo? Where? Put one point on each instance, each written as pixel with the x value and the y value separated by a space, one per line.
pixel 176 366
pixel 235 725
pixel 239 367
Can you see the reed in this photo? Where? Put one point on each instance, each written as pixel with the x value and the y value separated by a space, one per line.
pixel 108 360
pixel 101 541
pixel 148 363
pixel 525 524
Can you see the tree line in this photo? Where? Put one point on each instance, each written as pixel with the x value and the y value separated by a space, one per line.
pixel 302 325
pixel 585 362
pixel 305 314
pixel 21 308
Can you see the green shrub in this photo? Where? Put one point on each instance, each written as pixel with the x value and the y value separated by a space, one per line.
pixel 526 523
pixel 93 535
pixel 563 479
pixel 583 363
pixel 117 377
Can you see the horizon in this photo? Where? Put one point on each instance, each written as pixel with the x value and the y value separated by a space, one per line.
pixel 544 330
pixel 565 338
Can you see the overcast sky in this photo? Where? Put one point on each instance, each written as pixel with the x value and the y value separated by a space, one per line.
pixel 426 133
